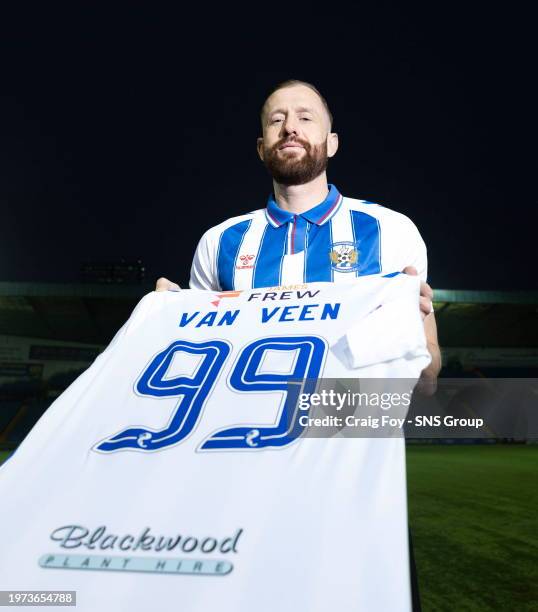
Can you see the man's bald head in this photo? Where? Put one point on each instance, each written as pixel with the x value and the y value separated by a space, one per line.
pixel 297 83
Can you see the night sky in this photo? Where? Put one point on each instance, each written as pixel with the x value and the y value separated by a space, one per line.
pixel 129 134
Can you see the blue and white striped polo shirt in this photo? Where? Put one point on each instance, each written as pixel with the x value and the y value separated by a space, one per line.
pixel 335 241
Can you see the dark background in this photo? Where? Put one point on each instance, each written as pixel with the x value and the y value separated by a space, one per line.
pixel 128 133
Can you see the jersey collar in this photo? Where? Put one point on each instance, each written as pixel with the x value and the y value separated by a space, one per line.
pixel 319 214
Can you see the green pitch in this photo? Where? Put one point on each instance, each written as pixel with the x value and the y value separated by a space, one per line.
pixel 474 519
pixel 473 515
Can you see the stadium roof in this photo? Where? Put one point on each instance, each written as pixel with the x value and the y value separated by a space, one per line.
pixel 93 313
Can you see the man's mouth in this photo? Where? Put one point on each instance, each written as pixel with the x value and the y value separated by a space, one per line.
pixel 291 145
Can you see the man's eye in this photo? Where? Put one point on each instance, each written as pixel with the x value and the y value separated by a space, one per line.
pixel 306 119
pixel 276 120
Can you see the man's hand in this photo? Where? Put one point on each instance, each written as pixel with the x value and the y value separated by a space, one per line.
pixel 427 383
pixel 163 284
pixel 426 293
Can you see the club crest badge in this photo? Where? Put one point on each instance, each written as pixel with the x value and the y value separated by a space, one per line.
pixel 344 257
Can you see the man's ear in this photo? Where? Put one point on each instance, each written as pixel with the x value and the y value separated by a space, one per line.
pixel 259 146
pixel 332 143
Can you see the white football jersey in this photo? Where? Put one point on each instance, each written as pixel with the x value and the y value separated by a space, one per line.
pixel 171 476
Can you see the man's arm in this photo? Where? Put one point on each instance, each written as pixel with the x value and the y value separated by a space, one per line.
pixel 428 378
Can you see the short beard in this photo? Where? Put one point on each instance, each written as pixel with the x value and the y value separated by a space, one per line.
pixel 295 171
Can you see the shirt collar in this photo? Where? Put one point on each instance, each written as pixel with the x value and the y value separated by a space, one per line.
pixel 319 214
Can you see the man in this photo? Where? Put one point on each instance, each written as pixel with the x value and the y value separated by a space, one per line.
pixel 309 232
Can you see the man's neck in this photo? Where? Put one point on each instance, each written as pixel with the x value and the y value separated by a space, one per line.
pixel 298 199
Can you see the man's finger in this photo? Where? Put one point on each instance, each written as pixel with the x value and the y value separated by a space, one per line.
pixel 426 290
pixel 163 284
pixel 425 305
pixel 412 271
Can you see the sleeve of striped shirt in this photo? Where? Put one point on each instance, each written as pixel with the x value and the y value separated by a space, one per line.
pixel 204 265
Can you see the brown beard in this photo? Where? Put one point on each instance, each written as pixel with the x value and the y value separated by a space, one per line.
pixel 293 170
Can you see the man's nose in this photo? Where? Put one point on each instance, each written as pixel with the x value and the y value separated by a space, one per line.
pixel 290 125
